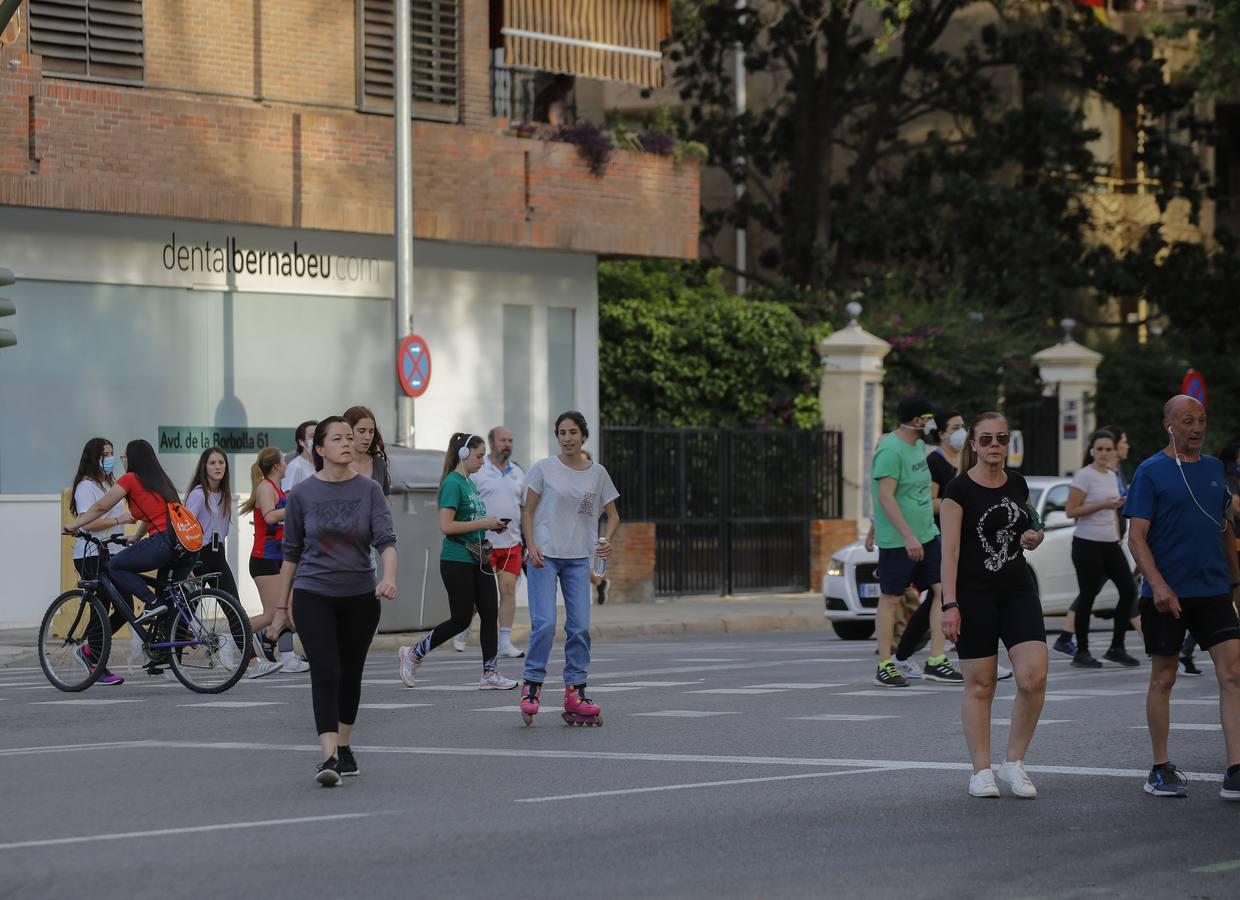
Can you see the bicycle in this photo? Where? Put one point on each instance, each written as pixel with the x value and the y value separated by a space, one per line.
pixel 203 635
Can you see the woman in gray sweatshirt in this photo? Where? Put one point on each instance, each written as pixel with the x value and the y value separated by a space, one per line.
pixel 332 521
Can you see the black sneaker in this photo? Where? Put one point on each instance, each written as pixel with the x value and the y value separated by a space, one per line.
pixel 348 762
pixel 601 592
pixel 1167 781
pixel 1188 667
pixel 889 676
pixel 1231 787
pixel 942 671
pixel 1121 656
pixel 328 772
pixel 1084 660
pixel 1065 645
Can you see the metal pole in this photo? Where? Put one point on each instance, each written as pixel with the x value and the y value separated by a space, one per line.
pixel 742 252
pixel 404 204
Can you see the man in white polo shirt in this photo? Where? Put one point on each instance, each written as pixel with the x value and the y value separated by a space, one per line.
pixel 501 482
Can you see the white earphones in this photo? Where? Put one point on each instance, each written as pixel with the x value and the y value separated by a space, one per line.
pixel 1222 525
pixel 463 453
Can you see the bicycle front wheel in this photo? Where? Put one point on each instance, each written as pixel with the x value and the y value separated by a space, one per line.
pixel 74 640
pixel 214 635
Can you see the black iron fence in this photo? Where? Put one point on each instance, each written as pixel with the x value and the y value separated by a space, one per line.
pixel 731 507
pixel 1037 419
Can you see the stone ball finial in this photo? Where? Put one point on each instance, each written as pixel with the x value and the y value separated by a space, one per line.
pixel 853 309
pixel 1067 325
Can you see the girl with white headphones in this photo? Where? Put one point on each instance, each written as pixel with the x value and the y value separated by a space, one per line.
pixel 464 565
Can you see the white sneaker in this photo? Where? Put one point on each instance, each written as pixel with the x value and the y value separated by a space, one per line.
pixel 509 651
pixel 227 652
pixel 493 681
pixel 409 663
pixel 1013 774
pixel 982 784
pixel 264 667
pixel 458 642
pixel 1003 673
pixel 907 668
pixel 293 663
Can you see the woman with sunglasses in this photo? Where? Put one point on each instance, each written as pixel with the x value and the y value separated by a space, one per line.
pixel 989 595
pixel 1094 500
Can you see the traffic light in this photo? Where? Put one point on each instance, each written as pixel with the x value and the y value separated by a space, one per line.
pixel 7 308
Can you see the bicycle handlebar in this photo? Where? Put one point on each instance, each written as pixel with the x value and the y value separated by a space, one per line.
pixel 118 539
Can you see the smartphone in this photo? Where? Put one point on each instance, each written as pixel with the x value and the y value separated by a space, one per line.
pixel 504 522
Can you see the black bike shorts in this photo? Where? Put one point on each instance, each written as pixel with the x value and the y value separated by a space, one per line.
pixel 1212 620
pixel 987 617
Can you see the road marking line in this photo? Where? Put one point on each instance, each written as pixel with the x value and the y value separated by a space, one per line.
pixel 1213 702
pixel 80 702
pixel 710 659
pixel 685 714
pixel 195 829
pixel 699 784
pixel 841 717
pixel 511 708
pixel 796 685
pixel 728 667
pixel 614 688
pixel 1101 692
pixel 1040 721
pixel 445 687
pixel 391 705
pixel 736 691
pixel 1229 866
pixel 605 755
pixel 650 684
pixel 887 692
pixel 229 704
pixel 69 748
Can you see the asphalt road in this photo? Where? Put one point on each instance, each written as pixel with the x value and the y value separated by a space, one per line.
pixel 740 766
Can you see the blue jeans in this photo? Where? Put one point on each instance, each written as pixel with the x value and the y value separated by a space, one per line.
pixel 574 579
pixel 148 555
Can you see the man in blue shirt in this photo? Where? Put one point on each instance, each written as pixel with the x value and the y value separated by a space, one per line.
pixel 1183 544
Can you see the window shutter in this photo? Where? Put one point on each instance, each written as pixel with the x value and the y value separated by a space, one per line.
pixel 435 59
pixel 93 38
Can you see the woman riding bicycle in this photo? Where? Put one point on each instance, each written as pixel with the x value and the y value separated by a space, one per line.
pixel 148 491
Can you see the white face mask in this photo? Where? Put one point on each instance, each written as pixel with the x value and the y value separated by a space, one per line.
pixel 929 427
pixel 956 439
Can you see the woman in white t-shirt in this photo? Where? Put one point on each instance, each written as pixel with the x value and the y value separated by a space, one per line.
pixel 92 481
pixel 565 497
pixel 1094 501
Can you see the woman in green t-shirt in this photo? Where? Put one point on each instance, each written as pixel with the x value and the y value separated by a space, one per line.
pixel 464 565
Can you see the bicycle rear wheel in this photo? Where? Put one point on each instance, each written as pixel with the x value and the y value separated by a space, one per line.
pixel 72 653
pixel 217 636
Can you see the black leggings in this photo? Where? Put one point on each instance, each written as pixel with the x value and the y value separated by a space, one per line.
pixel 1097 562
pixel 336 632
pixel 88 567
pixel 469 588
pixel 917 630
pixel 213 559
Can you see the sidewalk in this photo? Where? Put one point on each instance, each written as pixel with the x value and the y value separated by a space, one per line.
pixel 679 615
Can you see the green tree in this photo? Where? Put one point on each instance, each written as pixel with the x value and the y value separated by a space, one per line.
pixel 677 349
pixel 1216 64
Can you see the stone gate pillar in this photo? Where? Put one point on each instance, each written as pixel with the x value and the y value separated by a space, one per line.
pixel 1072 369
pixel 851 401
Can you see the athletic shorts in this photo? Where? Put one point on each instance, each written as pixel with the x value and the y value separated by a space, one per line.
pixel 1211 620
pixel 260 568
pixel 507 559
pixel 896 571
pixel 987 617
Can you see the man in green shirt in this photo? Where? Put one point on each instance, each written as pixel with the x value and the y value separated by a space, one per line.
pixel 907 538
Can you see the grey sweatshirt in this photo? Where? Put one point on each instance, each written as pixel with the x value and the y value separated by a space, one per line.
pixel 329 529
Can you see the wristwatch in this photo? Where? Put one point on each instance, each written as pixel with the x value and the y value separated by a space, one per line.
pixel 946 606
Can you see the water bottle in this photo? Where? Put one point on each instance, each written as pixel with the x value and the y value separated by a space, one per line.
pixel 600 562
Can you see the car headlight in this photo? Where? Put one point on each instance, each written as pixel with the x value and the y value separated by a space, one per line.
pixel 835 568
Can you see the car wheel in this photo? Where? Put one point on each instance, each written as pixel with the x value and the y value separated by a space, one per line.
pixel 853 631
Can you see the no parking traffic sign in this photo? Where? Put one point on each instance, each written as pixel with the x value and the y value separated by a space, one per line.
pixel 1194 385
pixel 413 366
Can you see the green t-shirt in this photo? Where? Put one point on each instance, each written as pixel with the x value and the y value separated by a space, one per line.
pixel 458 493
pixel 907 465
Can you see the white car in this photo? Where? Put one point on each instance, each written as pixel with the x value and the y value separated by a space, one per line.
pixel 850 587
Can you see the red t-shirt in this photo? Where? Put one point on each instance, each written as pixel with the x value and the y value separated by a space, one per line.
pixel 145 506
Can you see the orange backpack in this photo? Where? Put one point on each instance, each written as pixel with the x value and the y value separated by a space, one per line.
pixel 185 527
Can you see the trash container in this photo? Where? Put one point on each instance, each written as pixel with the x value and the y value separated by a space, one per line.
pixel 421 600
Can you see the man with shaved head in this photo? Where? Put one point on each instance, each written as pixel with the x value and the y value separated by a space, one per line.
pixel 1183 544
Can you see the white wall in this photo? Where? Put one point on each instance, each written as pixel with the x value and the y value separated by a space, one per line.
pixel 29 555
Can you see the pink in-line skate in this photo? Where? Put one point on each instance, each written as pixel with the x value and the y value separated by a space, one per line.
pixel 580 709
pixel 529 701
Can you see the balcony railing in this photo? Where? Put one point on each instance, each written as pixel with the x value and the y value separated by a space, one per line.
pixel 519 95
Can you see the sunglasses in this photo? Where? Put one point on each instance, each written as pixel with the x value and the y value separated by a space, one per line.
pixel 983 440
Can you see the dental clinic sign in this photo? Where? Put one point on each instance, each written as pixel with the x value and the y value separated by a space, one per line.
pixel 54 245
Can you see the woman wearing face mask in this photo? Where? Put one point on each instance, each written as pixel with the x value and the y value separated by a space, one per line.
pixel 1094 501
pixel 267 502
pixel 301 466
pixel 92 481
pixel 565 497
pixel 989 596
pixel 464 522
